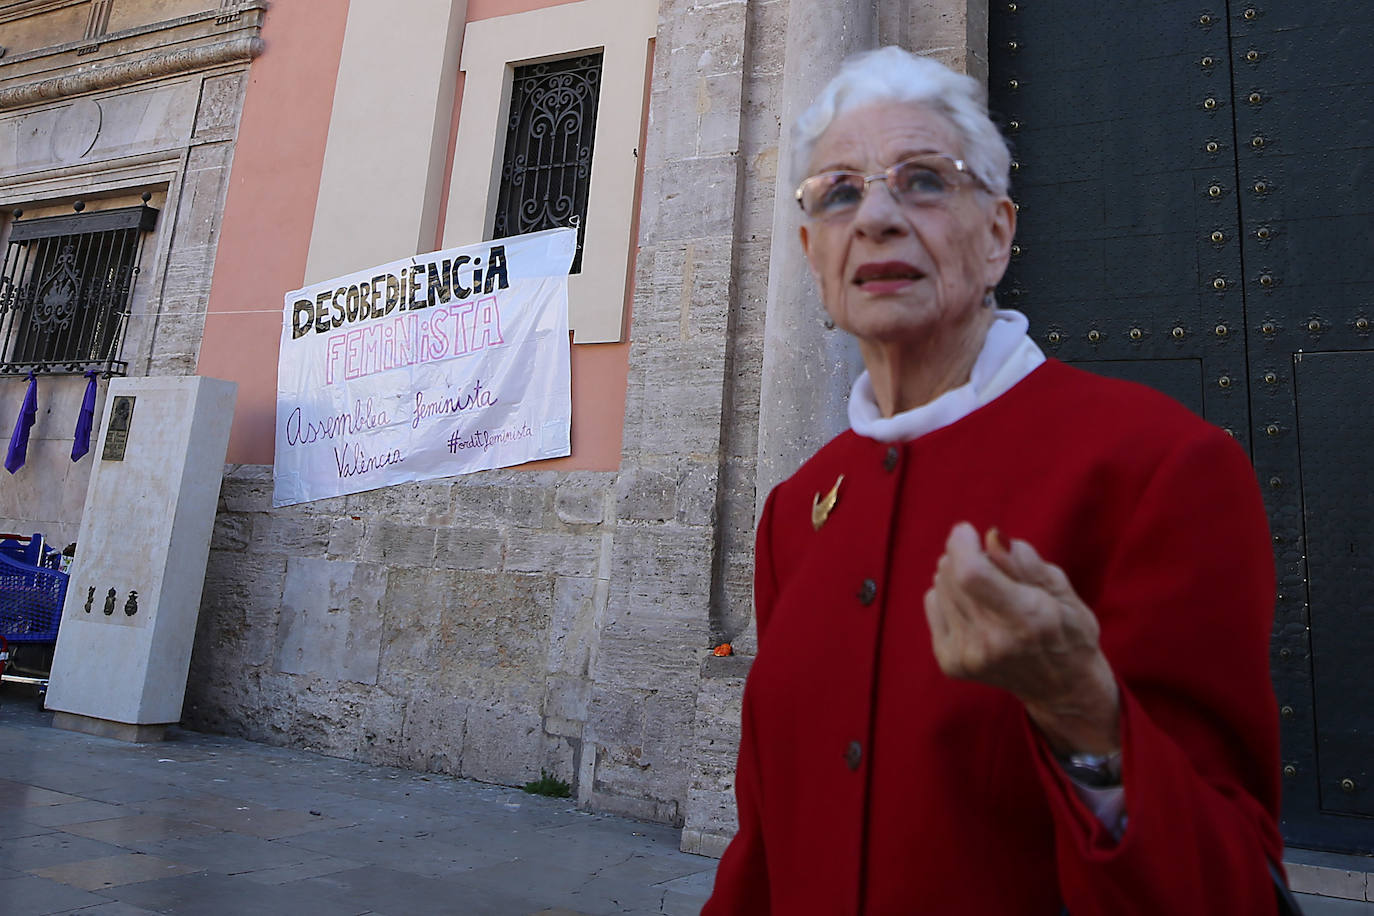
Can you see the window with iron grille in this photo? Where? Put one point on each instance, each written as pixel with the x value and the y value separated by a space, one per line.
pixel 548 162
pixel 65 285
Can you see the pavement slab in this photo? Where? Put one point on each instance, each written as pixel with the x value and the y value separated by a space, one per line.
pixel 227 853
pixel 31 895
pixel 112 871
pixel 15 827
pixel 220 895
pixel 77 812
pixel 241 816
pixel 311 868
pixel 56 848
pixel 115 908
pixel 208 825
pixel 140 828
pixel 19 795
pixel 417 853
pixel 1314 905
pixel 386 890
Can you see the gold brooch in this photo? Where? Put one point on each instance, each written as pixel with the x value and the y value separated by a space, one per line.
pixel 821 508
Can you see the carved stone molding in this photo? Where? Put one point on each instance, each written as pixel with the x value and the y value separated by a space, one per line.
pixel 154 65
pixel 98 23
pixel 23 8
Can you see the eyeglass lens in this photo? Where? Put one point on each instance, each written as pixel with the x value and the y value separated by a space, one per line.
pixel 917 182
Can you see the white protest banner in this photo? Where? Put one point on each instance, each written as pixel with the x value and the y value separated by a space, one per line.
pixel 431 366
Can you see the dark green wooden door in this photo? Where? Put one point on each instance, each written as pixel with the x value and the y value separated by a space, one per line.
pixel 1195 214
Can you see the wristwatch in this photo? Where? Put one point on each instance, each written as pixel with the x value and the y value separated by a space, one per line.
pixel 1093 771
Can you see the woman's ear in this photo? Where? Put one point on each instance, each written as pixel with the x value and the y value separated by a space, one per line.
pixel 805 235
pixel 1001 231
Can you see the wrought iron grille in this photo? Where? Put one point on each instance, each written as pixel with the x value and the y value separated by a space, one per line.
pixel 548 162
pixel 64 290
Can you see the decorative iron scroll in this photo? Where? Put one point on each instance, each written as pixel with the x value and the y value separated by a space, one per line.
pixel 65 285
pixel 547 168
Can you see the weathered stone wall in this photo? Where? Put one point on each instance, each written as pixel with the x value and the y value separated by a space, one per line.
pixel 710 807
pixel 672 581
pixel 446 626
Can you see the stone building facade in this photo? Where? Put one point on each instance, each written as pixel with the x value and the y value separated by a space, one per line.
pixel 102 103
pixel 558 617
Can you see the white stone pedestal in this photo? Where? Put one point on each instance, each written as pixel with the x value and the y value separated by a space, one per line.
pixel 130 618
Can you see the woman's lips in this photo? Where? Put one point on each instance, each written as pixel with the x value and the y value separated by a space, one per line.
pixel 883 277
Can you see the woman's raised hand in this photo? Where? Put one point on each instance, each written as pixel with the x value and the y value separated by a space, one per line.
pixel 1001 615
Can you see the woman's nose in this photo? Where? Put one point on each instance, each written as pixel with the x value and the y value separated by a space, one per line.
pixel 880 214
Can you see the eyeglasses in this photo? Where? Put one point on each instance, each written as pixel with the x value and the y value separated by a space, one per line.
pixel 921 181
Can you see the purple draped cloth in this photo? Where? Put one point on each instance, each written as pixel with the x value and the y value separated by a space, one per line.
pixel 19 441
pixel 84 420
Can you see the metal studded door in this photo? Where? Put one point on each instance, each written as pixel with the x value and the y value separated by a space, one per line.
pixel 1190 181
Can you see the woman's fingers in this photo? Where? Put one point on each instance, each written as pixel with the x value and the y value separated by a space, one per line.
pixel 951 576
pixel 1016 559
pixel 983 583
pixel 963 540
pixel 941 630
pixel 1002 615
pixel 1021 563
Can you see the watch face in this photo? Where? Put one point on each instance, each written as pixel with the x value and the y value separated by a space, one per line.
pixel 1096 771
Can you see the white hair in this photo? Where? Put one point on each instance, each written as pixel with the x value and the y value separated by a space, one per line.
pixel 892 74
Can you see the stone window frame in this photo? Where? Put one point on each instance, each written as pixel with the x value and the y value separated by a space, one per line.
pixel 102 187
pixel 623 31
pixel 108 240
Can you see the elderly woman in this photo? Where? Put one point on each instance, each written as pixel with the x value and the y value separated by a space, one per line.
pixel 1013 625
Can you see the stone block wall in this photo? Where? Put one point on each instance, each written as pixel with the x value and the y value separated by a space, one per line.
pixel 680 581
pixel 447 626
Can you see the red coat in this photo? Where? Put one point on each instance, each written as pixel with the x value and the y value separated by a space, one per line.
pixel 868 782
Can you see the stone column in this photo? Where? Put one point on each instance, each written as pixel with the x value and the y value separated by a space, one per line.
pixel 954 32
pixel 807 370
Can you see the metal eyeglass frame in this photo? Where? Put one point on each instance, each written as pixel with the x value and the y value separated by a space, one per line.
pixel 886 176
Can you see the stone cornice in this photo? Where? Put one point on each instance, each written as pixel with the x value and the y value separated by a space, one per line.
pixel 155 65
pixel 160 50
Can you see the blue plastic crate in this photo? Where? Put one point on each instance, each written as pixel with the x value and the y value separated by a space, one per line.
pixel 30 601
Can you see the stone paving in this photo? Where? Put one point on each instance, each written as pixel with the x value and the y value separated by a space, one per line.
pixel 206 825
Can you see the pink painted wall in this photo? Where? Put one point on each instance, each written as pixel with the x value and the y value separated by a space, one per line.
pixel 266 236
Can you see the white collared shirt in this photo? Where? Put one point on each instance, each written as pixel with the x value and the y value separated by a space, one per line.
pixel 1008 356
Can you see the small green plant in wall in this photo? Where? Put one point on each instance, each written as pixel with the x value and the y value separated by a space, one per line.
pixel 548 785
